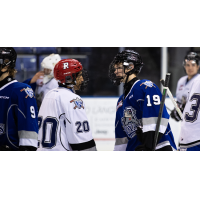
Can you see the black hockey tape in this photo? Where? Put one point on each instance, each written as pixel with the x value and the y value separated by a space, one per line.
pixel 167 79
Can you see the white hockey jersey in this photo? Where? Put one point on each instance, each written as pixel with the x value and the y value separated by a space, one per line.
pixel 63 124
pixel 183 87
pixel 43 89
pixel 190 127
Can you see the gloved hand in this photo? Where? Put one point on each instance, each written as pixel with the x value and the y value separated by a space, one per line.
pixel 174 114
pixel 139 133
pixel 140 136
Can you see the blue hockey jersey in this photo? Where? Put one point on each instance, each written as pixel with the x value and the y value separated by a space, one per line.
pixel 141 107
pixel 18 116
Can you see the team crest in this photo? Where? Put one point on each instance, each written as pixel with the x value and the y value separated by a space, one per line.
pixel 28 91
pixel 2 129
pixel 130 121
pixel 148 84
pixel 78 103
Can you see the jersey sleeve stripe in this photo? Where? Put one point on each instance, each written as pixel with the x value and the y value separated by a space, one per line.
pixel 152 127
pixel 28 134
pixel 119 141
pixel 153 120
pixel 83 146
pixel 188 145
pixel 162 144
pixel 28 142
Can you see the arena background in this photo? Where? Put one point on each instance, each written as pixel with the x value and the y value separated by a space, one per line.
pixel 101 96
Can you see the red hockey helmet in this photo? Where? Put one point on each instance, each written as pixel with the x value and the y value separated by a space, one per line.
pixel 65 71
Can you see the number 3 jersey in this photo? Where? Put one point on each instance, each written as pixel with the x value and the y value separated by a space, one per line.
pixel 18 116
pixel 141 107
pixel 190 126
pixel 63 124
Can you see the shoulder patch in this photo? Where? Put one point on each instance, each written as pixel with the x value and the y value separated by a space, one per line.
pixel 78 103
pixel 29 92
pixel 148 84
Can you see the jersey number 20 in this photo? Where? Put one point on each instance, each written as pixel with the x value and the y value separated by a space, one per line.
pixel 49 130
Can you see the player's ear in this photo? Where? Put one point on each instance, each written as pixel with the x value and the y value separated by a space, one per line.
pixel 131 66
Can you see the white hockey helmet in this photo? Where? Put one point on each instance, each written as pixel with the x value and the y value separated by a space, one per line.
pixel 49 62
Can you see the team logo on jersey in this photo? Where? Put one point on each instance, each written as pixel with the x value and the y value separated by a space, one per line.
pixel 78 103
pixel 130 121
pixel 2 129
pixel 181 87
pixel 148 84
pixel 28 91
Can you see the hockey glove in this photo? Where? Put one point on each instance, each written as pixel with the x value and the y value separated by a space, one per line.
pixel 174 114
pixel 139 133
pixel 146 139
pixel 140 136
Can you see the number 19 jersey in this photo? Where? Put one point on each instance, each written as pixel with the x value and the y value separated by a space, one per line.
pixel 190 127
pixel 63 124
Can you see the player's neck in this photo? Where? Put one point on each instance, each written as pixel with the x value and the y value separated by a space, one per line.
pixel 132 76
pixel 3 76
pixel 190 77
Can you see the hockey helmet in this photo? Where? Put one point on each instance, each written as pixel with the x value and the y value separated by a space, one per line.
pixel 191 56
pixel 8 56
pixel 125 57
pixel 49 62
pixel 67 70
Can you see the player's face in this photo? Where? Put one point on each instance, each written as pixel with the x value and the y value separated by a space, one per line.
pixel 191 68
pixel 119 70
pixel 47 71
pixel 79 81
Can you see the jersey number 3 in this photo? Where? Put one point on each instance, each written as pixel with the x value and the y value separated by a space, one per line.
pixel 194 107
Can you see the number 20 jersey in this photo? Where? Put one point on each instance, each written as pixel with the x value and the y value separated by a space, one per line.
pixel 63 124
pixel 141 108
pixel 190 126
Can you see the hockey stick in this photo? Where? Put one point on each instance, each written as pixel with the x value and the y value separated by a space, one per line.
pixel 172 99
pixel 161 110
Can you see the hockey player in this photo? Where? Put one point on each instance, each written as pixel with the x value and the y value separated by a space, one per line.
pixel 63 124
pixel 18 116
pixel 138 108
pixel 190 126
pixel 191 67
pixel 44 81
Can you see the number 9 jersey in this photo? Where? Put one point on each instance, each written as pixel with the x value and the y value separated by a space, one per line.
pixel 63 124
pixel 190 127
pixel 18 115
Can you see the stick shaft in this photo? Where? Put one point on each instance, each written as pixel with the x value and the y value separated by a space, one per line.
pixel 173 101
pixel 161 110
